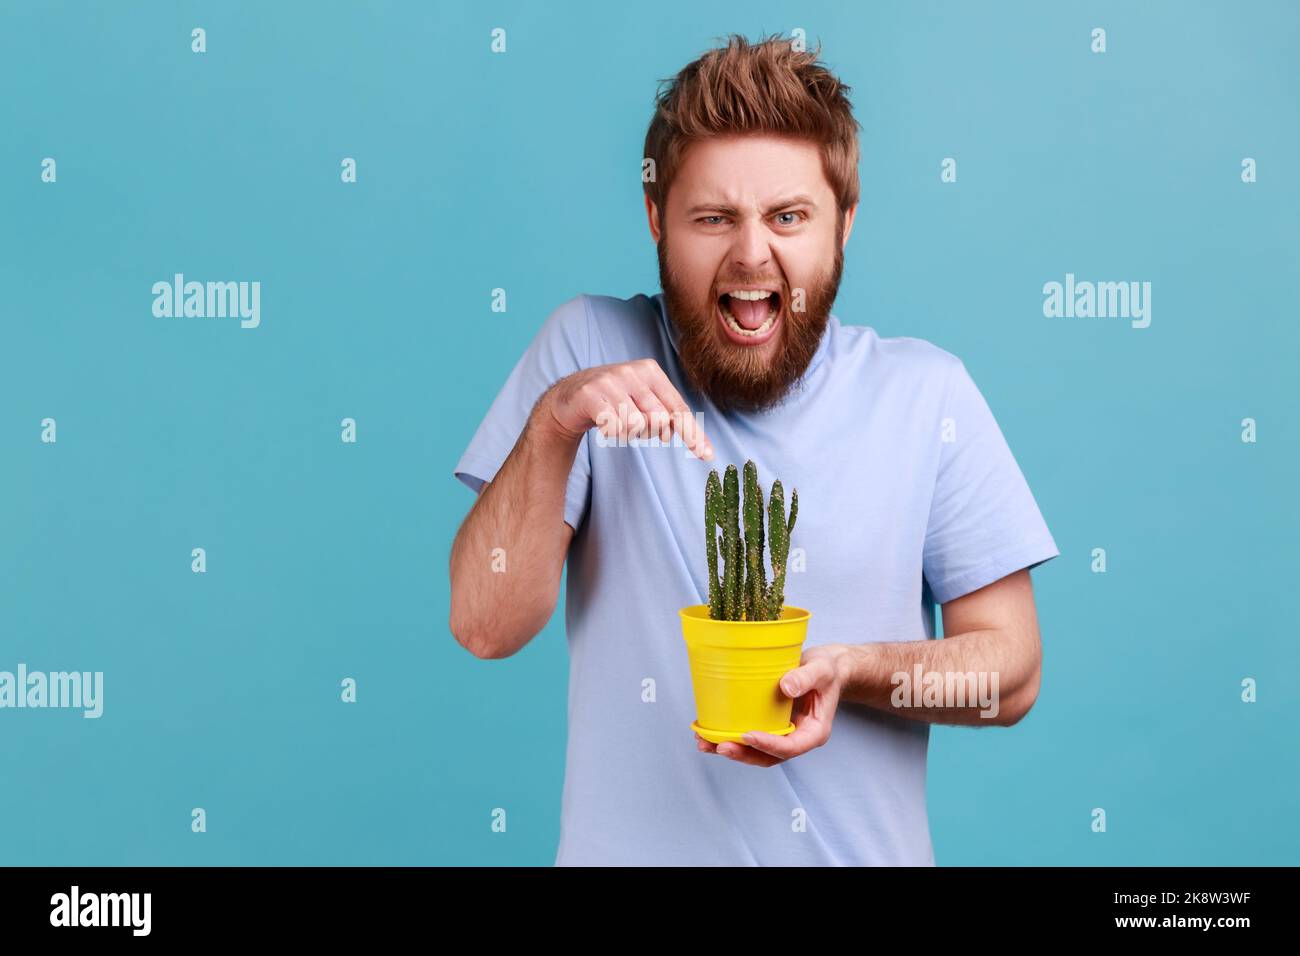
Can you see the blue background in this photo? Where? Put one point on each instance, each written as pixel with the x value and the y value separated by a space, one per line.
pixel 475 171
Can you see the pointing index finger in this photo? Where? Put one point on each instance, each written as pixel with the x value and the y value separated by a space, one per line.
pixel 683 420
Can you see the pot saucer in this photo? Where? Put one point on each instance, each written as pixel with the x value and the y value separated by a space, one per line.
pixel 732 736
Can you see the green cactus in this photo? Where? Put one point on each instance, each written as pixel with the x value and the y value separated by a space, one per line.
pixel 742 592
pixel 731 546
pixel 780 548
pixel 712 519
pixel 755 576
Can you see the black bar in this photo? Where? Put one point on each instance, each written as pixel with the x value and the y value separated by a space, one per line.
pixel 209 905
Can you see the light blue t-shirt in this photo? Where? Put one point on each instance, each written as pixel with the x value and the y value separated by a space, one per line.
pixel 908 496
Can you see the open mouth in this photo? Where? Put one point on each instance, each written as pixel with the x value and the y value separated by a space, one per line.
pixel 750 316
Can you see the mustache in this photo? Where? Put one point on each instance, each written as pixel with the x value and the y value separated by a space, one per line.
pixel 749 282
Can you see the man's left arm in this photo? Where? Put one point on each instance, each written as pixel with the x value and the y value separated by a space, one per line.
pixel 991 651
pixel 991 634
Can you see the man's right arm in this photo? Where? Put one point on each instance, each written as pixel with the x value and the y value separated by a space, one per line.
pixel 493 613
pixel 521 510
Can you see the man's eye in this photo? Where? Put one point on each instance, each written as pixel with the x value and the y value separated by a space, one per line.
pixel 707 220
pixel 794 218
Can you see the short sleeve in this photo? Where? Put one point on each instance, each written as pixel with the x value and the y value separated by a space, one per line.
pixel 984 523
pixel 561 347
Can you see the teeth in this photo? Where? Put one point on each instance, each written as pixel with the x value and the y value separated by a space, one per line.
pixel 738 328
pixel 750 295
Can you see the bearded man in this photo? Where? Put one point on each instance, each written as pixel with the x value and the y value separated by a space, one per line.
pixel 596 451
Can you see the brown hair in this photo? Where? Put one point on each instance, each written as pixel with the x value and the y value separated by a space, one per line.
pixel 765 87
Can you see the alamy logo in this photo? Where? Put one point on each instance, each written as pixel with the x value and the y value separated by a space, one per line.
pixel 102 909
pixel 950 689
pixel 208 300
pixel 76 689
pixel 1101 300
pixel 629 427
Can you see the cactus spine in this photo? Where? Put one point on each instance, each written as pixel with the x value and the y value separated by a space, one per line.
pixel 742 592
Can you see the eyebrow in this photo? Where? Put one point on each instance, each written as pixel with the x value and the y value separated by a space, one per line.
pixel 799 200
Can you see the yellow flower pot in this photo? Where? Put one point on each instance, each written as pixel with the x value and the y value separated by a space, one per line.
pixel 736 670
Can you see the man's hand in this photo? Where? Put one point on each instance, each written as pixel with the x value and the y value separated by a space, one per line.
pixel 626 400
pixel 815 684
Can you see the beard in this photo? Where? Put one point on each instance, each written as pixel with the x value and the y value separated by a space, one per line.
pixel 740 377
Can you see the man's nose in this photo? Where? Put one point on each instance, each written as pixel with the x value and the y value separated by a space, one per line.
pixel 751 252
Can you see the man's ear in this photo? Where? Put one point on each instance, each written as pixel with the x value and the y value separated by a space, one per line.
pixel 848 224
pixel 652 215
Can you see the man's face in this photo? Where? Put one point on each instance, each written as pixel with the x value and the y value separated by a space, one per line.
pixel 748 216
